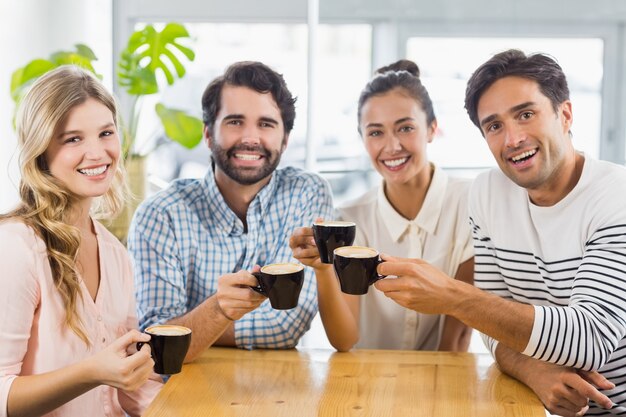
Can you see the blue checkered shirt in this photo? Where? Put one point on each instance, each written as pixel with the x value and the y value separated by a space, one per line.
pixel 185 237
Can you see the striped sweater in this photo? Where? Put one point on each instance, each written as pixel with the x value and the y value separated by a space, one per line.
pixel 568 260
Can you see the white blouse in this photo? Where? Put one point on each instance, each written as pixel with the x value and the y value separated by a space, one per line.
pixel 440 234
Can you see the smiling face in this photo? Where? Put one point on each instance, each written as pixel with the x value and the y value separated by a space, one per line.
pixel 85 149
pixel 248 137
pixel 395 133
pixel 529 140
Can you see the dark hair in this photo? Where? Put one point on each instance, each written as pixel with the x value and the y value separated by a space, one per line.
pixel 402 74
pixel 256 76
pixel 540 68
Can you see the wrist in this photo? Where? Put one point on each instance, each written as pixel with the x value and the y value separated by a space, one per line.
pixel 219 311
pixel 516 364
pixel 89 373
pixel 324 270
pixel 460 299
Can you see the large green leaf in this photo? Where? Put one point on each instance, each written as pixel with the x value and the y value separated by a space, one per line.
pixel 23 77
pixel 149 50
pixel 136 80
pixel 180 127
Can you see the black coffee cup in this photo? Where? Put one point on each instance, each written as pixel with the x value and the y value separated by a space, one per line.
pixel 281 283
pixel 355 267
pixel 330 235
pixel 169 344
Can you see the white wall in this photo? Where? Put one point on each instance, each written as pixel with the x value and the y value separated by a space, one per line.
pixel 35 28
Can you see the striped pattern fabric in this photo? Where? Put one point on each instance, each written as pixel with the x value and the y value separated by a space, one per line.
pixel 568 260
pixel 185 237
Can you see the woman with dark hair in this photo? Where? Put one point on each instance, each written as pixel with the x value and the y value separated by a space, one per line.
pixel 67 330
pixel 416 212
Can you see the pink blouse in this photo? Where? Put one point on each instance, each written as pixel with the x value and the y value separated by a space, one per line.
pixel 33 336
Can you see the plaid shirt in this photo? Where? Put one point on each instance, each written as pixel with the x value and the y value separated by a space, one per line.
pixel 185 237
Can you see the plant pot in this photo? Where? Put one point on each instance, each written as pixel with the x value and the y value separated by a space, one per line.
pixel 136 178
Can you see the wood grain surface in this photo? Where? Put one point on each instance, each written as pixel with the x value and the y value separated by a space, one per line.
pixel 300 383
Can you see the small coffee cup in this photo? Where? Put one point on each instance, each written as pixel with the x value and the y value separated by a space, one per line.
pixel 281 283
pixel 355 267
pixel 169 344
pixel 332 234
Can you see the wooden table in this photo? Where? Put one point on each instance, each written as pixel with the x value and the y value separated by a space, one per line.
pixel 300 383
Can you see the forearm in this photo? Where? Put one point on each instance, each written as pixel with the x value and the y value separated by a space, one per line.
pixel 207 323
pixel 455 336
pixel 339 319
pixel 35 395
pixel 509 322
pixel 514 364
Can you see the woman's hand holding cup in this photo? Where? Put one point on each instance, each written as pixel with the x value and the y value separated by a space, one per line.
pixel 115 367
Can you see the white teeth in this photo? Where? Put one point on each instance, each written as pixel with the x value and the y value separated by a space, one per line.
pixel 247 157
pixel 395 162
pixel 94 171
pixel 523 155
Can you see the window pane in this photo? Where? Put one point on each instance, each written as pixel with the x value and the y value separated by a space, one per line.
pixel 447 63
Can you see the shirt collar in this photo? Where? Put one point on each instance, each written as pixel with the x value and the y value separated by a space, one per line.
pixel 222 214
pixel 429 214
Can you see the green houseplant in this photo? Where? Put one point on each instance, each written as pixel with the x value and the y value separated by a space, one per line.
pixel 149 55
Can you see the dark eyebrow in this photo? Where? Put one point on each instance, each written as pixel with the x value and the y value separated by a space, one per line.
pixel 513 109
pixel 237 116
pixel 488 119
pixel 269 120
pixel 234 117
pixel 519 107
pixel 373 125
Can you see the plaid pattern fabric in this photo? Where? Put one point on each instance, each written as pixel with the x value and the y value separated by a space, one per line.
pixel 185 237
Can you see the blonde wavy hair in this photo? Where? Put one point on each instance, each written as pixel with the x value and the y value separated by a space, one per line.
pixel 45 202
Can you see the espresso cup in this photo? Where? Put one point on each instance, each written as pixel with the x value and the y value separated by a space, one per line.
pixel 169 344
pixel 355 267
pixel 281 283
pixel 330 235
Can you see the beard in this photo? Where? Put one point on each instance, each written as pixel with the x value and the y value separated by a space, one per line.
pixel 245 175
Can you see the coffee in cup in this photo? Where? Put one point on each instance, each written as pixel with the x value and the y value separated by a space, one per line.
pixel 355 267
pixel 332 234
pixel 169 344
pixel 281 283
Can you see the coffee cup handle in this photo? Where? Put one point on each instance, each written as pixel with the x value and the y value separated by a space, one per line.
pixel 378 276
pixel 140 345
pixel 258 288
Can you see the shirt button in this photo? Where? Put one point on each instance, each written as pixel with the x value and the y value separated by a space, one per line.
pixel 99 318
pixel 104 339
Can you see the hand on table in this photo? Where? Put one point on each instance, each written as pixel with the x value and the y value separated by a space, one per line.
pixel 565 391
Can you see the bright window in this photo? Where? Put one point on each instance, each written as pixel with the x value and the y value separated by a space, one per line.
pixel 447 63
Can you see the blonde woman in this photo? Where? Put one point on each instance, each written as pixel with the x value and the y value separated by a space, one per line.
pixel 417 212
pixel 66 289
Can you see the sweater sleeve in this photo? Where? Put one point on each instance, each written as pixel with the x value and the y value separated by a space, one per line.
pixel 586 332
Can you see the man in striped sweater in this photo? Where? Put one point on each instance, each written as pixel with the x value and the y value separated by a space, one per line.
pixel 549 232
